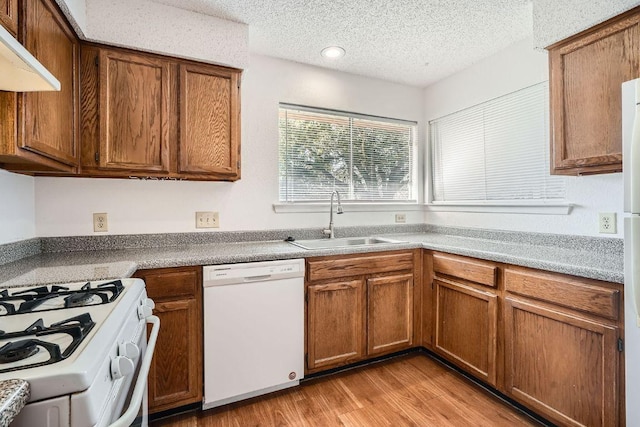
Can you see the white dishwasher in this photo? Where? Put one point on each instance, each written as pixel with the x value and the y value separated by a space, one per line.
pixel 253 329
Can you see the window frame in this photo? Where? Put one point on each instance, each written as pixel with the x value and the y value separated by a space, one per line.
pixel 370 205
pixel 515 206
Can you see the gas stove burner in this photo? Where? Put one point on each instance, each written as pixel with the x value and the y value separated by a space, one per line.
pixel 14 351
pixel 45 298
pixel 78 300
pixel 37 336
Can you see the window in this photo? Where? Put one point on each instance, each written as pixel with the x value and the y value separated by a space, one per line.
pixel 495 151
pixel 365 158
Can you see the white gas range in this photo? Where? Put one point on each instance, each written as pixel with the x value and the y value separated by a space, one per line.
pixel 83 349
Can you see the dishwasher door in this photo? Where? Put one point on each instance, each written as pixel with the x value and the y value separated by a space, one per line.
pixel 253 329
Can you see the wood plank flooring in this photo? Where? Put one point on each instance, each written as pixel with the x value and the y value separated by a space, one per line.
pixel 411 390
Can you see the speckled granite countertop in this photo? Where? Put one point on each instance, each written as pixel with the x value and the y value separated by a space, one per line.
pixel 13 396
pixel 586 257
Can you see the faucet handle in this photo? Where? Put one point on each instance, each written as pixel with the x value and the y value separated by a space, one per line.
pixel 326 231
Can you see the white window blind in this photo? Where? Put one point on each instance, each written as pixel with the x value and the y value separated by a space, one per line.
pixel 495 151
pixel 365 158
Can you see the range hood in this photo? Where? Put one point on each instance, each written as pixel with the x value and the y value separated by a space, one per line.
pixel 19 70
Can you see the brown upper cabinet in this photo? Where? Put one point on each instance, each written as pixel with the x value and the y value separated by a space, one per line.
pixel 39 130
pixel 9 15
pixel 209 121
pixel 134 112
pixel 586 73
pixel 153 116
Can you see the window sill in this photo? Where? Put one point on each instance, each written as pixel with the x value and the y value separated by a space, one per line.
pixel 302 207
pixel 539 208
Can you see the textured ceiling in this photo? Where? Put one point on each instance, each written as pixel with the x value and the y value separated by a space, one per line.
pixel 415 42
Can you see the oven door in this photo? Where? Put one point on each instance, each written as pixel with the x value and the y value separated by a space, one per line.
pixel 135 401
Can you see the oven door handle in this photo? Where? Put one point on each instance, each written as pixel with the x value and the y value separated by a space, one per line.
pixel 141 382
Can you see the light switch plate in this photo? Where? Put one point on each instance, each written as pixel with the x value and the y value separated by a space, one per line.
pixel 207 220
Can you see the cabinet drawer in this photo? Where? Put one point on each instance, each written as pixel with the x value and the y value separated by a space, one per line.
pixel 319 269
pixel 171 282
pixel 564 291
pixel 484 273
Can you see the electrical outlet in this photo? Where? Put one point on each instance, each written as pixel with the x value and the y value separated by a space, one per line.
pixel 607 222
pixel 401 218
pixel 100 223
pixel 207 220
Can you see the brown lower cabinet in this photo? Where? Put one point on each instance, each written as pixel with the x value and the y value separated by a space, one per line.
pixel 562 354
pixel 466 325
pixel 336 321
pixel 466 314
pixel 550 341
pixel 175 378
pixel 358 307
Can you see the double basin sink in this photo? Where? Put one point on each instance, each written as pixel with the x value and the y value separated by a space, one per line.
pixel 343 242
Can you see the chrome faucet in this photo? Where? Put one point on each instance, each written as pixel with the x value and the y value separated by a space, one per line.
pixel 329 231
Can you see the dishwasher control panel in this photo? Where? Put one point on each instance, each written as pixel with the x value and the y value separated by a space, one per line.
pixel 217 275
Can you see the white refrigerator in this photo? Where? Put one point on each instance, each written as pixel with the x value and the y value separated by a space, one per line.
pixel 631 172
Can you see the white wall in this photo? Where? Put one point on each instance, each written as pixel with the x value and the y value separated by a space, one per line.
pixel 64 206
pixel 517 67
pixel 17 210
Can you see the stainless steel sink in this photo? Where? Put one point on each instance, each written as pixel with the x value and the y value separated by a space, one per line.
pixel 344 242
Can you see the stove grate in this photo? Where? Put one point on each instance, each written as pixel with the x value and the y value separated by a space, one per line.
pixel 31 300
pixel 34 337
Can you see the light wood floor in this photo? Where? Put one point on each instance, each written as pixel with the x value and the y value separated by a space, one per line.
pixel 412 390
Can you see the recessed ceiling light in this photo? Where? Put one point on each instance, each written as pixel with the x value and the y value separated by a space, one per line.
pixel 333 52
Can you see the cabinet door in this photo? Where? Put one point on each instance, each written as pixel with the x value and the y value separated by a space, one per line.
pixel 586 73
pixel 209 122
pixel 335 324
pixel 465 328
pixel 9 15
pixel 561 366
pixel 390 314
pixel 134 111
pixel 172 382
pixel 49 122
pixel 175 378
